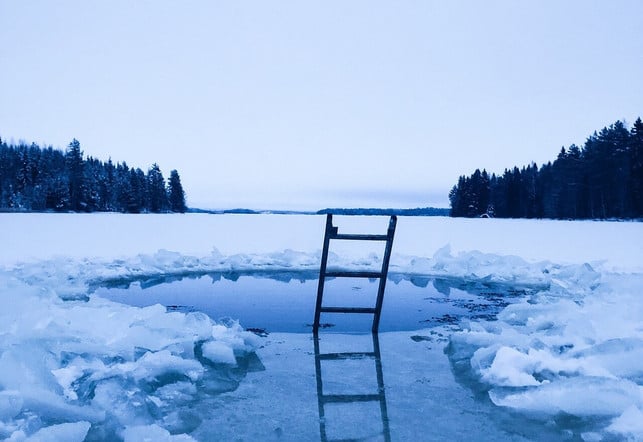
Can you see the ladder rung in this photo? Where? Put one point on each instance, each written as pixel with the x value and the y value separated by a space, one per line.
pixel 350 397
pixel 347 310
pixel 353 274
pixel 360 237
pixel 346 355
pixel 354 439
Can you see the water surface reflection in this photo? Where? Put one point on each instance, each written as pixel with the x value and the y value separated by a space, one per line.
pixel 284 301
pixel 350 411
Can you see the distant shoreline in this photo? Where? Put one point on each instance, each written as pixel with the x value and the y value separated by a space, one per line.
pixel 424 211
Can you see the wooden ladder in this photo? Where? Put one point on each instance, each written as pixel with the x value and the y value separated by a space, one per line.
pixel 332 232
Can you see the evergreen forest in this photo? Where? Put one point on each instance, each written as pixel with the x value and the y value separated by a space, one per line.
pixel 47 179
pixel 601 180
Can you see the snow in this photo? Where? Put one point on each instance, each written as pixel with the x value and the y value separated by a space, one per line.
pixel 629 423
pixel 33 236
pixel 74 365
pixel 152 433
pixel 70 432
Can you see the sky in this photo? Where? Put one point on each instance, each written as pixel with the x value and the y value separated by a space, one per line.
pixel 305 105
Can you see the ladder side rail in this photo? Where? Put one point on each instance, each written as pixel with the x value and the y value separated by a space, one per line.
pixel 385 264
pixel 386 431
pixel 320 391
pixel 322 269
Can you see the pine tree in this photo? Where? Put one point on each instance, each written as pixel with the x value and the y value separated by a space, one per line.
pixel 122 187
pixel 74 162
pixel 157 193
pixel 137 190
pixel 176 193
pixel 636 165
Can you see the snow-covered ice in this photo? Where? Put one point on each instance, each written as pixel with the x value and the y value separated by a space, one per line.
pixel 74 365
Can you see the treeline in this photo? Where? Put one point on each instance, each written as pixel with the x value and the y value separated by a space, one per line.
pixel 40 179
pixel 420 211
pixel 602 179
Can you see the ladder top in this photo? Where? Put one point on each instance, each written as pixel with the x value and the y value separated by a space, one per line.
pixel 333 231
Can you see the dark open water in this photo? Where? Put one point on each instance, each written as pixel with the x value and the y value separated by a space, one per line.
pixel 285 301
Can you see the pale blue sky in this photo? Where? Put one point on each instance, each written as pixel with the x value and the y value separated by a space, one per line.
pixel 313 104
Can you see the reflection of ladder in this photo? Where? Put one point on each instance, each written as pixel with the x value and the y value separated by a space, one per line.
pixel 347 399
pixel 332 233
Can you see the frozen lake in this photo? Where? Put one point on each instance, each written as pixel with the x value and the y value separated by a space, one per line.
pixel 491 330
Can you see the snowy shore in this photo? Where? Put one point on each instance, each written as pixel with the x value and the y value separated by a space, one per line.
pixel 73 364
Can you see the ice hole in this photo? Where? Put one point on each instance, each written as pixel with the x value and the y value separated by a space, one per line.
pixel 285 301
